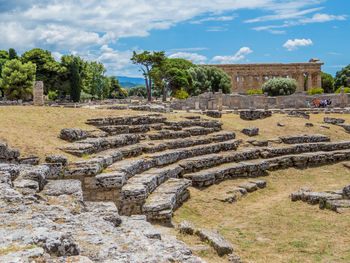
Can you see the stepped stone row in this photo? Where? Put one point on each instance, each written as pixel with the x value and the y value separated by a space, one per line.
pixel 338 200
pixel 76 134
pixel 337 121
pixel 95 165
pixel 260 167
pixel 128 120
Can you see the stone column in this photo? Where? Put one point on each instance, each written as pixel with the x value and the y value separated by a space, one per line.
pixel 266 101
pixel 260 81
pixel 318 80
pixel 241 83
pixel 196 104
pixel 342 97
pixel 301 82
pixel 220 100
pixel 38 93
pixel 309 82
pixel 234 83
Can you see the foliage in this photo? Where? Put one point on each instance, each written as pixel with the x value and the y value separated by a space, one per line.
pixel 254 91
pixel 12 54
pixel 315 91
pixel 209 79
pixel 119 94
pixel 76 81
pixel 280 86
pixel 139 91
pixel 346 90
pixel 53 95
pixel 342 77
pixel 47 69
pixel 85 96
pixel 17 79
pixel 327 82
pixel 180 94
pixel 146 60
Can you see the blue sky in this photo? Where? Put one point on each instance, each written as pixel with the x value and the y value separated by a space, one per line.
pixel 204 31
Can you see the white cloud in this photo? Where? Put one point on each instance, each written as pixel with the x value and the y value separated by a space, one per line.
pixel 241 53
pixel 194 57
pixel 320 18
pixel 216 29
pixel 188 49
pixel 213 18
pixel 294 44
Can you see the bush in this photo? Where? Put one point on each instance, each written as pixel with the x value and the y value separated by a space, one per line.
pixel 53 95
pixel 314 91
pixel 180 94
pixel 119 94
pixel 280 87
pixel 254 91
pixel 346 90
pixel 86 96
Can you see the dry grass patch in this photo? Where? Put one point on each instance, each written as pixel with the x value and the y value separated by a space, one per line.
pixel 265 226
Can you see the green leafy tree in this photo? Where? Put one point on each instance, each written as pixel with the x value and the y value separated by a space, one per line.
pixel 342 77
pixel 12 54
pixel 76 81
pixel 327 82
pixel 139 91
pixel 280 86
pixel 47 68
pixel 146 60
pixel 4 56
pixel 209 79
pixel 115 89
pixel 17 79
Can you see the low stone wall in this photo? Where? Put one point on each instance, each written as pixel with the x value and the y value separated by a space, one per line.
pixel 211 101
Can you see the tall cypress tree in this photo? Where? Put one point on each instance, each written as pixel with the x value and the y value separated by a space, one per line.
pixel 76 82
pixel 12 54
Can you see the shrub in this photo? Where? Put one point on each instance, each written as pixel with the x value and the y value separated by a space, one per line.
pixel 314 91
pixel 180 94
pixel 86 96
pixel 346 90
pixel 53 95
pixel 280 86
pixel 139 91
pixel 254 91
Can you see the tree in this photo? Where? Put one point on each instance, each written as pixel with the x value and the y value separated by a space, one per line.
pixel 280 86
pixel 12 54
pixel 17 79
pixel 342 77
pixel 47 69
pixel 139 91
pixel 209 79
pixel 76 81
pixel 4 56
pixel 146 60
pixel 327 82
pixel 171 74
pixel 116 91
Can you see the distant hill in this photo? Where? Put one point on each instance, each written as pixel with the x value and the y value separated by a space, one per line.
pixel 129 82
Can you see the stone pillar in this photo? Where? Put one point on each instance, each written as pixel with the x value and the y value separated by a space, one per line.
pixel 309 82
pixel 342 97
pixel 38 93
pixel 220 100
pixel 301 82
pixel 240 83
pixel 318 80
pixel 260 81
pixel 196 104
pixel 234 83
pixel 266 101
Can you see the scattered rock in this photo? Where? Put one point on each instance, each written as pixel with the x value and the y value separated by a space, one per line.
pixel 249 115
pixel 260 183
pixel 56 159
pixel 250 187
pixel 213 113
pixel 186 227
pixel 234 258
pixel 309 124
pixel 298 114
pixel 218 242
pixel 333 120
pixel 251 131
pixel 280 124
pixel 325 126
pixel 346 191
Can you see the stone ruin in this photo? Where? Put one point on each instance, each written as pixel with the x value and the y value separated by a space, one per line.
pixel 137 170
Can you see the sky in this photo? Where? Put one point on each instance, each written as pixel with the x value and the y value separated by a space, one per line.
pixel 203 31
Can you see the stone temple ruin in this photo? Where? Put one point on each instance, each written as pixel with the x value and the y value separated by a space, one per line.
pixel 253 76
pixel 137 170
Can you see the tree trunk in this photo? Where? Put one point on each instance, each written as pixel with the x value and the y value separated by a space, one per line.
pixel 164 93
pixel 150 89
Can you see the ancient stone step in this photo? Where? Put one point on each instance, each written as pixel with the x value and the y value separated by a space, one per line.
pixel 95 145
pixel 165 199
pixel 94 165
pixel 124 129
pixel 76 134
pixel 200 122
pixel 128 120
pixel 333 120
pixel 304 138
pixel 186 132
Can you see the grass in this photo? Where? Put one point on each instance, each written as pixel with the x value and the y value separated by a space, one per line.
pixel 264 226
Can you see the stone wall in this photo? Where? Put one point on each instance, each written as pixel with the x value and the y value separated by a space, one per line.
pixel 242 101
